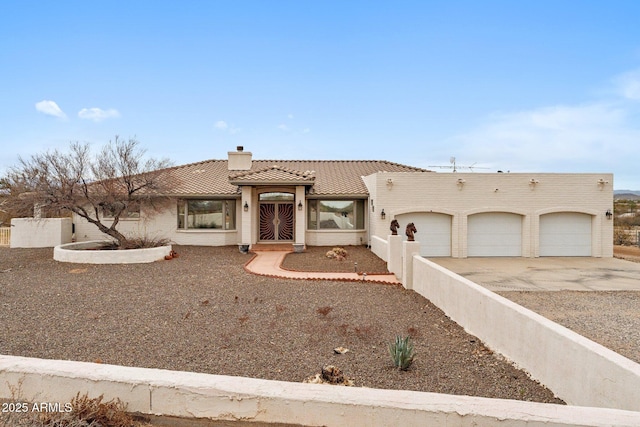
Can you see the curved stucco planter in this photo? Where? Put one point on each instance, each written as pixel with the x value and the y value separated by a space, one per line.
pixel 73 252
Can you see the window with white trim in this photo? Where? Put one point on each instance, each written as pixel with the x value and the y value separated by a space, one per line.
pixel 335 214
pixel 206 214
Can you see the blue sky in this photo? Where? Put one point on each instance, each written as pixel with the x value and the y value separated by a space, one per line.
pixel 539 86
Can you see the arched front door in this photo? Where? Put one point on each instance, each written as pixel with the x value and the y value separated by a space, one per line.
pixel 276 217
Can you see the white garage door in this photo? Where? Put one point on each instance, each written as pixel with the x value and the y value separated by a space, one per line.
pixel 565 234
pixel 494 234
pixel 434 232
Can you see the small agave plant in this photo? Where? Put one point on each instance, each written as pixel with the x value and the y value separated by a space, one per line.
pixel 401 352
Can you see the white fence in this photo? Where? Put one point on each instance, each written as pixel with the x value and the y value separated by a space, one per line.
pixel 576 369
pixel 5 236
pixel 40 233
pixel 201 397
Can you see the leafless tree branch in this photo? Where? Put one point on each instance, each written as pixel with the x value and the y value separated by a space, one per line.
pixel 118 180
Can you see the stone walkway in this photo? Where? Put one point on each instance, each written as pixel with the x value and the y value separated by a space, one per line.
pixel 268 263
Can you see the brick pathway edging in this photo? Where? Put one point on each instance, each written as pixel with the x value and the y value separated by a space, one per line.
pixel 280 273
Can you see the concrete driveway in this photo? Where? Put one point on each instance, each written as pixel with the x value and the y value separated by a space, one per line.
pixel 547 274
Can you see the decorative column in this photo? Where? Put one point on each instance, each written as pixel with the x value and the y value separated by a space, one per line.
pixel 246 225
pixel 409 249
pixel 301 216
pixel 394 256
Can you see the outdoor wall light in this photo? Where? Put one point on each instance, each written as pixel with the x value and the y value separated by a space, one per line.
pixel 460 182
pixel 246 207
pixel 602 183
pixel 382 214
pixel 609 214
pixel 300 205
pixel 389 183
pixel 533 182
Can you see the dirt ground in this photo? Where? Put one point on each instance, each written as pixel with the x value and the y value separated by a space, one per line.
pixel 202 312
pixel 359 259
pixel 630 253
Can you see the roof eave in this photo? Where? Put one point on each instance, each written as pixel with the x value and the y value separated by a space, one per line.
pixel 338 195
pixel 272 182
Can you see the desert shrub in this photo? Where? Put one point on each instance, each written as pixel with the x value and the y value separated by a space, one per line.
pixel 84 412
pixel 143 242
pixel 401 351
pixel 96 412
pixel 621 235
pixel 339 254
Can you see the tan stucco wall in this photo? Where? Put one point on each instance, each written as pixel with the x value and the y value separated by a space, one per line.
pixel 336 238
pixel 406 192
pixel 590 194
pixel 162 225
pixel 39 233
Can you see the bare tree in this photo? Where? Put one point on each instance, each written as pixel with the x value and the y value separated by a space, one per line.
pixel 7 210
pixel 117 181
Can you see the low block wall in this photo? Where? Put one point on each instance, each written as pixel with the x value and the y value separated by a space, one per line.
pixel 80 253
pixel 40 233
pixel 380 247
pixel 578 370
pixel 215 397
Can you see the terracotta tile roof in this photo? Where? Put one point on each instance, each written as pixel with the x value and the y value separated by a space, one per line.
pixel 273 174
pixel 326 177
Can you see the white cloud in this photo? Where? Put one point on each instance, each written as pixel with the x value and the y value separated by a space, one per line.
pixel 306 130
pixel 290 116
pixel 628 85
pixel 50 108
pixel 283 127
pixel 225 127
pixel 559 138
pixel 98 114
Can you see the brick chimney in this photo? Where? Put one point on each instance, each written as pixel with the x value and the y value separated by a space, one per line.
pixel 239 160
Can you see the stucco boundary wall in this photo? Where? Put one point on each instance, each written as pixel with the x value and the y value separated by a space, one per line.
pixel 576 369
pixel 192 395
pixel 79 253
pixel 40 233
pixel 380 248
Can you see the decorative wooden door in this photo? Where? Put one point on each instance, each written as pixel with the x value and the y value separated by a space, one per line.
pixel 276 221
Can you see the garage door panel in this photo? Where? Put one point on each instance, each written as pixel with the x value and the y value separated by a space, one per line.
pixel 565 234
pixel 434 232
pixel 494 234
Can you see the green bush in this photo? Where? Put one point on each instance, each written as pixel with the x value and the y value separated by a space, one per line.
pixel 402 352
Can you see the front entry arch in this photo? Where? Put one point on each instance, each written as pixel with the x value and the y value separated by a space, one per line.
pixel 276 217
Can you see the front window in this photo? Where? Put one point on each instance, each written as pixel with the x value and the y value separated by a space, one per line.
pixel 207 214
pixel 276 197
pixel 335 215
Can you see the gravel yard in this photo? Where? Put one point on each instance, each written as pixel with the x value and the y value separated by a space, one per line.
pixel 359 260
pixel 202 312
pixel 630 253
pixel 611 319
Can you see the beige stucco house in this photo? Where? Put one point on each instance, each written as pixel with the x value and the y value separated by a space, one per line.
pixel 243 201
